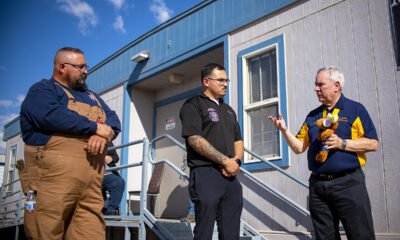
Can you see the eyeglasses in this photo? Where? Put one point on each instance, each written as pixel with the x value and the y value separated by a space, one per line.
pixel 221 81
pixel 80 67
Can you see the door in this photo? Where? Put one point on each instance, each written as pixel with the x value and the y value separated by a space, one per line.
pixel 173 199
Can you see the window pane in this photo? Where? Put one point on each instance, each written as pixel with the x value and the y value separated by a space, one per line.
pixel 264 136
pixel 274 75
pixel 254 80
pixel 13 157
pixel 10 179
pixel 268 75
pixel 395 22
pixel 11 172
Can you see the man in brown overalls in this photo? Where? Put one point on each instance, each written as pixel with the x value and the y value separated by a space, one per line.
pixel 66 129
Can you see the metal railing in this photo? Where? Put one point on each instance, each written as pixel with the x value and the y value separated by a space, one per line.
pixel 145 217
pixel 273 190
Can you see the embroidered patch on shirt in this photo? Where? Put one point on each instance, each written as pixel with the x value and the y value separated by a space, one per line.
pixel 91 95
pixel 213 114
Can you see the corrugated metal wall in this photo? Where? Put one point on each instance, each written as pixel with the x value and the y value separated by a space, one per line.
pixel 355 35
pixel 208 21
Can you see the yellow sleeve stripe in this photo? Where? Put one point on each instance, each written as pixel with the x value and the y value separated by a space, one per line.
pixel 303 134
pixel 357 131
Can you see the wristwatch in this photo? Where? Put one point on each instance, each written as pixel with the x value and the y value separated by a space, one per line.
pixel 239 162
pixel 344 144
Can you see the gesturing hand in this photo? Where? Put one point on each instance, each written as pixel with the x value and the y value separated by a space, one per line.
pixel 278 122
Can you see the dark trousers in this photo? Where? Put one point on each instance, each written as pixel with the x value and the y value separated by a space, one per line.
pixel 342 199
pixel 216 198
pixel 114 185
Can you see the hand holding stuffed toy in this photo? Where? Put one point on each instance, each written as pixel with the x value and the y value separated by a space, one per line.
pixel 327 127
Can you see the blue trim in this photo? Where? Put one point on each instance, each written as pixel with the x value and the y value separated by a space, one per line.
pixel 180 35
pixel 280 50
pixel 141 76
pixel 178 97
pixel 124 140
pixel 226 66
pixel 153 31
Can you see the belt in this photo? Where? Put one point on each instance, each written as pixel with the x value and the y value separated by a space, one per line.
pixel 324 176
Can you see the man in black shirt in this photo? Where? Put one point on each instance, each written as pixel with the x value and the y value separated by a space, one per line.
pixel 214 148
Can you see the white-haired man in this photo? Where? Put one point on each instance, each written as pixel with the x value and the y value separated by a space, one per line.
pixel 337 187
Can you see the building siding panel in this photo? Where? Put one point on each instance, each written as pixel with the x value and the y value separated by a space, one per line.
pixel 367 87
pixel 349 34
pixel 386 93
pixel 353 34
pixel 328 37
pixel 346 47
pixel 194 33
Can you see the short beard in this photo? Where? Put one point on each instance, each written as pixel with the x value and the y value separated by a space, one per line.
pixel 80 86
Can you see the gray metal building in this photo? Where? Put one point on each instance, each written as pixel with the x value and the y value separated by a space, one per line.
pixel 271 50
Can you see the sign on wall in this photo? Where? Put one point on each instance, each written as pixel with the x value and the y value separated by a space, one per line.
pixel 170 123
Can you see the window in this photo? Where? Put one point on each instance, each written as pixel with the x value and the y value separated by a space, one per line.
pixel 262 100
pixel 11 168
pixel 262 92
pixel 395 22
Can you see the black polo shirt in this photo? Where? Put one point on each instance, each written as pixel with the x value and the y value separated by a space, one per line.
pixel 215 122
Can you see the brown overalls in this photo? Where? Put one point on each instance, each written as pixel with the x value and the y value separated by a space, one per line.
pixel 68 184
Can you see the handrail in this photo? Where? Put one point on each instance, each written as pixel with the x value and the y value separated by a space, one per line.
pixel 169 163
pixel 147 158
pixel 151 221
pixel 277 168
pixel 18 219
pixel 3 204
pixel 127 144
pixel 276 192
pixel 182 146
pixel 249 230
pixel 124 166
pixel 11 194
pixel 247 173
pixel 10 183
pixel 143 193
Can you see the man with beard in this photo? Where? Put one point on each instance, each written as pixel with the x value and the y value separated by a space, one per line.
pixel 66 129
pixel 214 148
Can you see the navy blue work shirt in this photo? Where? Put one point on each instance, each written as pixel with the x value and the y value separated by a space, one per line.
pixel 44 112
pixel 354 122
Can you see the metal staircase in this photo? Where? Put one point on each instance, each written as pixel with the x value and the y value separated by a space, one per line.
pixel 167 229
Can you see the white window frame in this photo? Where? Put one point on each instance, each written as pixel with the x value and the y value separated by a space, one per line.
pixel 243 55
pixel 253 106
pixel 11 168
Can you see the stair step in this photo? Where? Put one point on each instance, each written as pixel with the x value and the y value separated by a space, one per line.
pixel 184 231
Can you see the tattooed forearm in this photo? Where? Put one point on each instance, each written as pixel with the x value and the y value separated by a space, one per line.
pixel 203 147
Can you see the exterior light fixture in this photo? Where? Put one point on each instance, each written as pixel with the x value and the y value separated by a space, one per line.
pixel 142 55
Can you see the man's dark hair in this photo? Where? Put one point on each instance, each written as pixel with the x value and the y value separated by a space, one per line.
pixel 70 49
pixel 207 69
pixel 67 49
